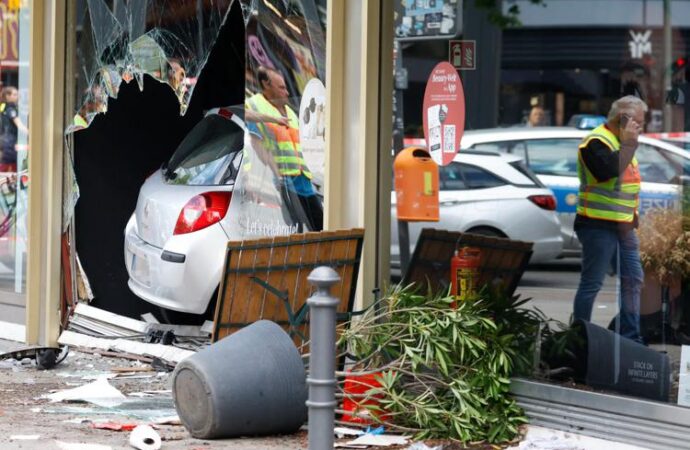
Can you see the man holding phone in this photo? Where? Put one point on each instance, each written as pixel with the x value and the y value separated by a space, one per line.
pixel 607 213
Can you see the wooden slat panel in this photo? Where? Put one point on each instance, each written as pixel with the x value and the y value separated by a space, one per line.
pixel 251 296
pixel 286 268
pixel 273 307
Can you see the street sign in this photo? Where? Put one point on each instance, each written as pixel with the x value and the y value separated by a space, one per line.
pixel 427 19
pixel 444 113
pixel 462 54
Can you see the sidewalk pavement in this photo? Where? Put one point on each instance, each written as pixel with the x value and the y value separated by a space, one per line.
pixel 29 421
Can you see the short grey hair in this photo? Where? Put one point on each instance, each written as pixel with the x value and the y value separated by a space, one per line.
pixel 626 103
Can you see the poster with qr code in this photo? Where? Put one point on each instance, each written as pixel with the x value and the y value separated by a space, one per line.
pixel 449 139
pixel 434 139
pixel 444 113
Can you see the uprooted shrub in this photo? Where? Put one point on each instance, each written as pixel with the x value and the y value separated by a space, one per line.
pixel 443 372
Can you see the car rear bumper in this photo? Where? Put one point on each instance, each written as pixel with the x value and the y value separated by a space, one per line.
pixel 182 276
pixel 546 250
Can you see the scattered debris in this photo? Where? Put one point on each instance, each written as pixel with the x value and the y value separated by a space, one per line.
pixel 132 369
pixel 100 393
pixel 115 426
pixel 341 432
pixel 423 446
pixel 144 437
pixel 170 420
pixel 164 352
pixel 90 320
pixel 43 357
pixel 375 440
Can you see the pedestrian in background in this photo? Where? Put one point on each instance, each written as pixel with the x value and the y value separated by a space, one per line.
pixel 607 212
pixel 537 116
pixel 10 125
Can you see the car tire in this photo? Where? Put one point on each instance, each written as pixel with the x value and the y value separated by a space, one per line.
pixel 486 231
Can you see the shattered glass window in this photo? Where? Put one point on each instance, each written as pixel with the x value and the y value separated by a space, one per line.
pixel 170 40
pixel 121 41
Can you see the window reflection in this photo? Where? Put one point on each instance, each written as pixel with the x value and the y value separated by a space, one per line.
pixel 537 95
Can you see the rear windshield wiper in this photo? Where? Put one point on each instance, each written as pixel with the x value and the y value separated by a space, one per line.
pixel 168 174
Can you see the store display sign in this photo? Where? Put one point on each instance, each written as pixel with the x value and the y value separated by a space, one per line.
pixel 427 19
pixel 444 113
pixel 461 54
pixel 312 129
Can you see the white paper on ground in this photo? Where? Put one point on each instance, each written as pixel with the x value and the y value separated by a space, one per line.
pixel 379 440
pixel 169 420
pixel 144 437
pixel 100 393
pixel 24 437
pixel 345 431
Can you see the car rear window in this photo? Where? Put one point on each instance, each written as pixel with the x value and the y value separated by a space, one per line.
pixel 521 167
pixel 209 155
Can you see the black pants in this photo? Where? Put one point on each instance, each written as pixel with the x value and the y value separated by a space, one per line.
pixel 302 210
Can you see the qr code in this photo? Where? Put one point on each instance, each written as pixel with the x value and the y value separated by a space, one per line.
pixel 435 138
pixel 449 139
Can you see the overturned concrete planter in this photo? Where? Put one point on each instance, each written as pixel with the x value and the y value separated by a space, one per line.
pixel 623 365
pixel 251 383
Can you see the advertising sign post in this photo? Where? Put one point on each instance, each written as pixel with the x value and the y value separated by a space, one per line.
pixel 443 113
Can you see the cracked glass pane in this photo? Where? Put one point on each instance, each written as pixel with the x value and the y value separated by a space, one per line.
pixel 279 190
pixel 281 182
pixel 119 40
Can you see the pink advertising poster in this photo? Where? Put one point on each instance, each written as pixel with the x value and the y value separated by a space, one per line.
pixel 444 113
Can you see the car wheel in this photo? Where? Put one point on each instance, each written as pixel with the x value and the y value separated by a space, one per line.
pixel 486 231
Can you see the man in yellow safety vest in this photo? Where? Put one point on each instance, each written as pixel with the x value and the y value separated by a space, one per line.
pixel 271 120
pixel 607 213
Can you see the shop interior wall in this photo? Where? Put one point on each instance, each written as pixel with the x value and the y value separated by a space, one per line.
pixel 116 153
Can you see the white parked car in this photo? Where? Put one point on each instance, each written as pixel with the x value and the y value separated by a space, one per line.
pixel 551 153
pixel 176 239
pixel 492 194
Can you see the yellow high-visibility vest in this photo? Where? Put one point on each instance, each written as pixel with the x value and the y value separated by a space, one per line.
pixel 615 199
pixel 282 141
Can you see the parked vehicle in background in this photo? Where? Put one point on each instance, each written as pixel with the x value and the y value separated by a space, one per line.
pixel 492 194
pixel 551 153
pixel 679 139
pixel 175 241
pixel 586 121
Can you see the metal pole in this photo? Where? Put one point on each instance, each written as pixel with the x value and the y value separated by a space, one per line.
pixel 668 57
pixel 321 378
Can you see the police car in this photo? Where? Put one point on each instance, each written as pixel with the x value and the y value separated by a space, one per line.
pixel 551 153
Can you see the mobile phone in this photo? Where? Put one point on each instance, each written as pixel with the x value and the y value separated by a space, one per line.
pixel 624 120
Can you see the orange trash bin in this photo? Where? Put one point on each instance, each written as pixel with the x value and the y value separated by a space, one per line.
pixel 416 185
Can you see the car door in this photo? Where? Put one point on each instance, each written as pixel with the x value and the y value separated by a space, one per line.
pixel 660 178
pixel 468 195
pixel 554 160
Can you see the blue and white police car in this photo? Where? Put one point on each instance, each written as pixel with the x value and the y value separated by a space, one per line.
pixel 551 153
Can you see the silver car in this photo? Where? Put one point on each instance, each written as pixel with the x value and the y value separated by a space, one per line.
pixel 175 241
pixel 492 194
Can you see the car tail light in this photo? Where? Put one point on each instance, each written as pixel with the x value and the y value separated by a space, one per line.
pixel 547 202
pixel 202 211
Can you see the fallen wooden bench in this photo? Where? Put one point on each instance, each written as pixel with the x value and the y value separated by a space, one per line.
pixel 267 279
pixel 502 261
